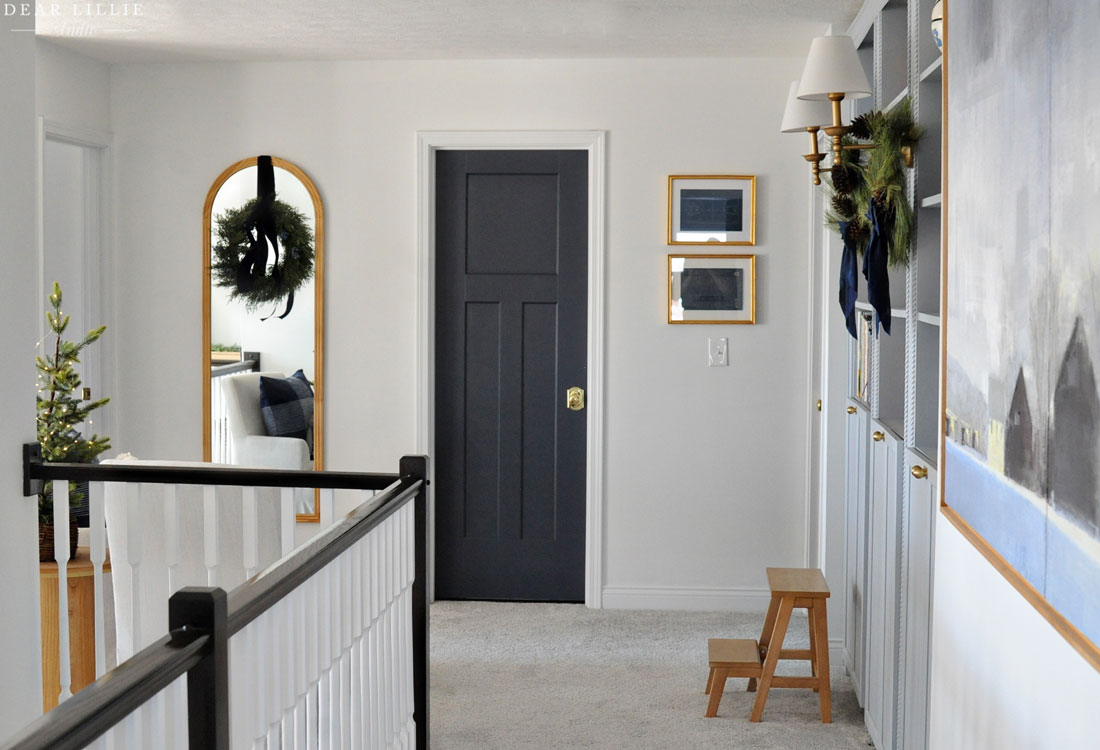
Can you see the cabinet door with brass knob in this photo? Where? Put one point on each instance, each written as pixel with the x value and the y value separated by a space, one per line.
pixel 883 594
pixel 919 530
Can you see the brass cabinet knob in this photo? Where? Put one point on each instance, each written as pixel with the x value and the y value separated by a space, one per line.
pixel 919 472
pixel 852 410
pixel 819 404
pixel 878 436
pixel 574 399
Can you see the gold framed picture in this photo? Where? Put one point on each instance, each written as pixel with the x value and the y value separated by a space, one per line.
pixel 712 289
pixel 712 209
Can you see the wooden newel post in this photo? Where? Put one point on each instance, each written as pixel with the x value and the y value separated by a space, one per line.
pixel 192 612
pixel 416 467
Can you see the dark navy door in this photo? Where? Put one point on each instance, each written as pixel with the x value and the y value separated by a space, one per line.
pixel 511 339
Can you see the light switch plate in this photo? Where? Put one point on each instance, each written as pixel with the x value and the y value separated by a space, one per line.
pixel 718 352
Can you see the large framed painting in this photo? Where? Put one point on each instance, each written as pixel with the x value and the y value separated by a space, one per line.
pixel 1022 404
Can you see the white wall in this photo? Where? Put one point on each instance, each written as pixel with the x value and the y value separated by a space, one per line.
pixel 706 475
pixel 72 90
pixel 21 686
pixel 1002 677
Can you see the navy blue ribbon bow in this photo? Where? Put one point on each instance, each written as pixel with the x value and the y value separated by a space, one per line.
pixel 875 271
pixel 849 281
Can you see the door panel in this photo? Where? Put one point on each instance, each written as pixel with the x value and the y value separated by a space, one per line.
pixel 882 591
pixel 511 337
pixel 920 536
pixel 855 513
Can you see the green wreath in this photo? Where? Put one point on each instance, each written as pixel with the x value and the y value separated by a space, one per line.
pixel 295 254
pixel 882 179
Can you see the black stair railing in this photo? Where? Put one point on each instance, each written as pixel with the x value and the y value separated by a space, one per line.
pixel 202 620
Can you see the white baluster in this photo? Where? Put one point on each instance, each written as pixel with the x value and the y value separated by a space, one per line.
pixel 313 720
pixel 327 507
pixel 210 533
pixel 324 688
pixel 275 648
pixel 313 663
pixel 156 728
pixel 378 689
pixel 240 687
pixel 355 608
pixel 355 723
pixel 286 646
pixel 291 643
pixel 61 555
pixel 172 537
pixel 135 534
pixel 131 730
pixel 98 554
pixel 263 676
pixel 346 637
pixel 301 678
pixel 286 520
pixel 333 575
pixel 251 531
pixel 176 714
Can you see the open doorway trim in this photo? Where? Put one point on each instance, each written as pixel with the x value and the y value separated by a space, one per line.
pixel 97 243
pixel 594 142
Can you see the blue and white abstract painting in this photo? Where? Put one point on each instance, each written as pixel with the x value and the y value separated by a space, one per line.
pixel 1022 463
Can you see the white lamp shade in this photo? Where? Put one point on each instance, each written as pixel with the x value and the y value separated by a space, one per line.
pixel 801 113
pixel 832 67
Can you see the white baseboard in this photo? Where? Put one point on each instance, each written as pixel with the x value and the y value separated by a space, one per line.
pixel 699 598
pixel 838 656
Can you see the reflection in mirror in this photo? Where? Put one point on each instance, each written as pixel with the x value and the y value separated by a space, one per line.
pixel 263 337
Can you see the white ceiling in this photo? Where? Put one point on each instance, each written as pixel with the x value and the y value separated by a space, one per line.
pixel 196 30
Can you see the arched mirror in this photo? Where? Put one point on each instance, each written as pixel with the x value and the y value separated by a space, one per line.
pixel 263 321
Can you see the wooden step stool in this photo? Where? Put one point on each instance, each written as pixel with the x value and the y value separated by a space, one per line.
pixel 795 588
pixel 730 657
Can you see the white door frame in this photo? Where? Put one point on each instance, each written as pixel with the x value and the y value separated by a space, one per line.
pixel 594 142
pixel 98 258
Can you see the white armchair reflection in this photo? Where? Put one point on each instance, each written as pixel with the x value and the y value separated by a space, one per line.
pixel 250 445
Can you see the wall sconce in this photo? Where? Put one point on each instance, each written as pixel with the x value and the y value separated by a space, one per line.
pixel 832 73
pixel 799 115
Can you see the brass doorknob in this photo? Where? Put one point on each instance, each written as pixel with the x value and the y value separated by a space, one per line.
pixel 852 410
pixel 878 436
pixel 574 399
pixel 919 472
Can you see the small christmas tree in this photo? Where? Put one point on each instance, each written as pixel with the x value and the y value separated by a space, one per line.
pixel 60 406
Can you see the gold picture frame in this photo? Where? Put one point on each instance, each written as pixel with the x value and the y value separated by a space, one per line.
pixel 721 289
pixel 711 209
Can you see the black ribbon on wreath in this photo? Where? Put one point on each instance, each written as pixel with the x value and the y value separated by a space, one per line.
pixel 261 223
pixel 875 269
pixel 849 280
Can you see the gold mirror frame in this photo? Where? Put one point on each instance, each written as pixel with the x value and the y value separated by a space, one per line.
pixel 318 315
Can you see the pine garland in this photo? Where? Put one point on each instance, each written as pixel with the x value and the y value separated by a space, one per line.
pixel 295 254
pixel 59 411
pixel 881 179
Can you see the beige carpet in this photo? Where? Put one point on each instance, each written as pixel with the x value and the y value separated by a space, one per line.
pixel 562 676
